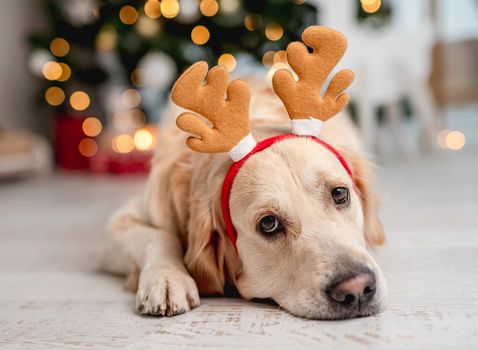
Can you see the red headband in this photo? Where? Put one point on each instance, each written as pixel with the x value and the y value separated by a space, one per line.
pixel 234 169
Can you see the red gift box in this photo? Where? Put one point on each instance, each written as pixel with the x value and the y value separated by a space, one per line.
pixel 68 134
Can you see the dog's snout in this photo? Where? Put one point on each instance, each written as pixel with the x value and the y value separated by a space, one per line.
pixel 352 291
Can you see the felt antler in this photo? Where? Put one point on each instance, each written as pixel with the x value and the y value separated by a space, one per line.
pixel 302 98
pixel 224 104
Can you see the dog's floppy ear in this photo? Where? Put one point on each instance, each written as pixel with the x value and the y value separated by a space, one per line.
pixel 210 256
pixel 364 176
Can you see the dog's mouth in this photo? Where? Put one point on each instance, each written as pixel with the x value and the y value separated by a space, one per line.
pixel 332 312
pixel 340 313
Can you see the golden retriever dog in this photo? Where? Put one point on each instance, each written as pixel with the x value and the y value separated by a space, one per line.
pixel 303 224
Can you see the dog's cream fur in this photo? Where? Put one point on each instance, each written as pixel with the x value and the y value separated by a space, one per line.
pixel 172 236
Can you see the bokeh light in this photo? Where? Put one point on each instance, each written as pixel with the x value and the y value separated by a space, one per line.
pixel 451 139
pixel 229 6
pixel 148 27
pixel 144 140
pixel 123 143
pixel 65 72
pixel 371 6
pixel 79 100
pixel 128 15
pixel 228 61
pixel 92 126
pixel 169 8
pixel 52 70
pixel 152 9
pixel 368 2
pixel 209 7
pixel 135 77
pixel 274 31
pixel 200 35
pixel 88 147
pixel 455 140
pixel 268 58
pixel 131 98
pixel 54 96
pixel 280 56
pixel 59 47
pixel 252 21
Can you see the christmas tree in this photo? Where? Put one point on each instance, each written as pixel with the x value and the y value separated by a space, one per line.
pixel 110 63
pixel 145 44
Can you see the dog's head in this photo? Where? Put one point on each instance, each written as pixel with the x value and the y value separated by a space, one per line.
pixel 302 229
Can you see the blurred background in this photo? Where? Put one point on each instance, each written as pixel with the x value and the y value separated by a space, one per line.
pixel 84 82
pixel 82 91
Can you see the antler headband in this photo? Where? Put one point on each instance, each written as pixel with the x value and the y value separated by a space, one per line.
pixel 226 105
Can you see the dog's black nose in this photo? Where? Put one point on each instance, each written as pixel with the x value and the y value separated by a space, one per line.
pixel 351 291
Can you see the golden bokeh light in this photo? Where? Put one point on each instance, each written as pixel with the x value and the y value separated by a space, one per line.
pixel 371 6
pixel 268 58
pixel 368 2
pixel 88 147
pixel 274 31
pixel 455 140
pixel 298 2
pixel 280 56
pixel 152 9
pixel 229 6
pixel 252 21
pixel 144 140
pixel 54 96
pixel 92 126
pixel 79 100
pixel 52 70
pixel 209 7
pixel 148 27
pixel 228 61
pixel 123 143
pixel 135 77
pixel 128 15
pixel 169 8
pixel 131 98
pixel 65 72
pixel 200 35
pixel 59 47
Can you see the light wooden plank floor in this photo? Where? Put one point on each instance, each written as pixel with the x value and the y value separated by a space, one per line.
pixel 52 297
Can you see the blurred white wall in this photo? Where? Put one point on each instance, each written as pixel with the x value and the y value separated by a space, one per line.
pixel 457 20
pixel 17 87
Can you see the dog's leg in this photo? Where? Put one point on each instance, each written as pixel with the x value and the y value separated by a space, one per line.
pixel 165 286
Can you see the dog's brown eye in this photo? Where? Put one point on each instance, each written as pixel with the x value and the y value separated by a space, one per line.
pixel 269 225
pixel 340 195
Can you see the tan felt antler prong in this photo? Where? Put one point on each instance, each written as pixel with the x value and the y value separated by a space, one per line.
pixel 224 104
pixel 302 98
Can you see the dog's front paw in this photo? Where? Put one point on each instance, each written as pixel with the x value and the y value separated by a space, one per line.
pixel 164 292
